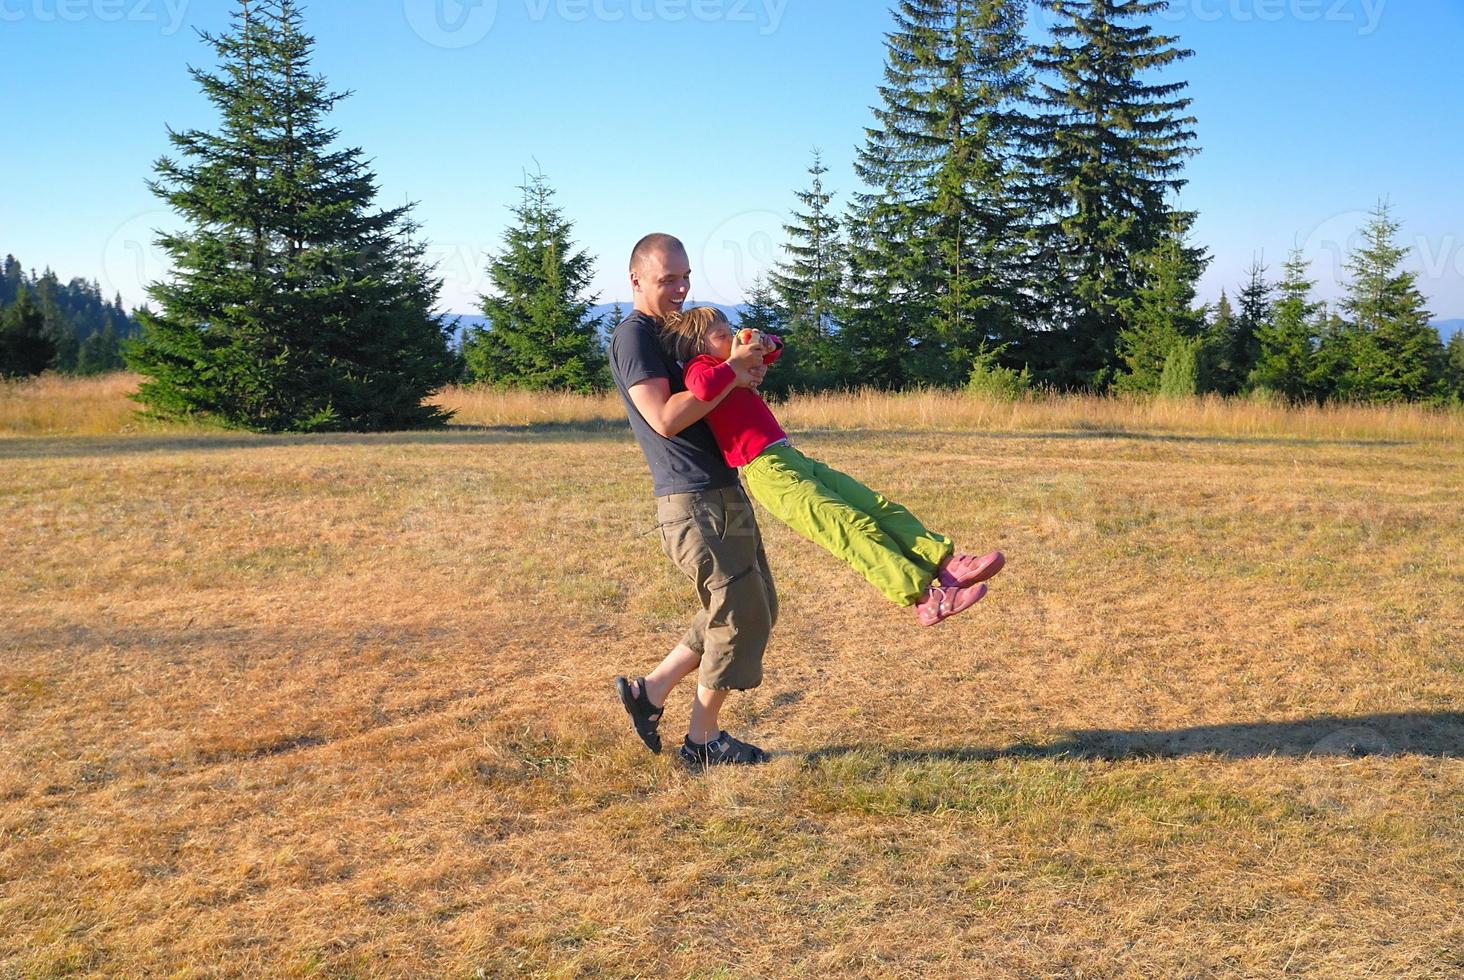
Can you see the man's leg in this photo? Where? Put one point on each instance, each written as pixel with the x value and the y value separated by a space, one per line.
pixel 713 538
pixel 704 711
pixel 671 671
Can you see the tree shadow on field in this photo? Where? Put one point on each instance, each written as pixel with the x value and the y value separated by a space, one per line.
pixel 52 447
pixel 1437 734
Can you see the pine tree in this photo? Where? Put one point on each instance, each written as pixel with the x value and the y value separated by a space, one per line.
pixel 1333 372
pixel 1181 375
pixel 51 297
pixel 101 352
pixel 937 246
pixel 762 311
pixel 26 346
pixel 12 276
pixel 808 288
pixel 294 304
pixel 881 314
pixel 539 334
pixel 1214 367
pixel 1105 154
pixel 1163 317
pixel 1287 339
pixel 1454 366
pixel 1396 354
pixel 1257 299
pixel 808 284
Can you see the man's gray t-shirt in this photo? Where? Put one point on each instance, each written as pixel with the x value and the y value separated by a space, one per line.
pixel 688 461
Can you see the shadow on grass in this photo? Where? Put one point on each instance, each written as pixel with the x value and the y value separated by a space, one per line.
pixel 38 447
pixel 1437 734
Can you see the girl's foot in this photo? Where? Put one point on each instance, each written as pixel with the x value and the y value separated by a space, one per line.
pixel 961 570
pixel 942 602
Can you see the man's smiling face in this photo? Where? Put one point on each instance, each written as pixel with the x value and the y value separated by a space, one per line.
pixel 662 281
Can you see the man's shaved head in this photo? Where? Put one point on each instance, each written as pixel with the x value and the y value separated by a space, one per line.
pixel 652 243
pixel 660 275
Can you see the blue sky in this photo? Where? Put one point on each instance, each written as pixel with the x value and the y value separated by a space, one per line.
pixel 698 116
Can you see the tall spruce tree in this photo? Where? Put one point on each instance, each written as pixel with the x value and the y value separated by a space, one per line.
pixel 61 329
pixel 101 352
pixel 761 310
pixel 1106 153
pixel 808 286
pixel 12 275
pixel 26 346
pixel 1454 366
pixel 539 333
pixel 1163 321
pixel 1257 299
pixel 1332 375
pixel 294 304
pixel 1287 338
pixel 937 242
pixel 1221 328
pixel 1396 353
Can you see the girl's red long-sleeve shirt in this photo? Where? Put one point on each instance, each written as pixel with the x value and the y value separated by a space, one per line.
pixel 742 424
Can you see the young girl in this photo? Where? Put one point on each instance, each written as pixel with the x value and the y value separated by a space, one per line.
pixel 880 539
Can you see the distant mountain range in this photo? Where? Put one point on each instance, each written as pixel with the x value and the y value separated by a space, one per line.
pixel 467 321
pixel 1446 328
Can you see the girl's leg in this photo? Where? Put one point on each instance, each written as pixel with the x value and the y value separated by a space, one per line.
pixel 921 545
pixel 782 482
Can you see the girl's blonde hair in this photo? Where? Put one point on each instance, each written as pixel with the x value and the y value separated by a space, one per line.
pixel 686 331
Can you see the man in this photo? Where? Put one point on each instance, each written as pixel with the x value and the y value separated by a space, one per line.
pixel 707 525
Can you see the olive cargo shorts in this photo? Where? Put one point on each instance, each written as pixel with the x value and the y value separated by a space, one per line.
pixel 712 536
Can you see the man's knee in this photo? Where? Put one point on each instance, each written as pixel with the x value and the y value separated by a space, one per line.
pixel 749 606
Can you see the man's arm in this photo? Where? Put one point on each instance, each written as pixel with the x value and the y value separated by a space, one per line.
pixel 669 414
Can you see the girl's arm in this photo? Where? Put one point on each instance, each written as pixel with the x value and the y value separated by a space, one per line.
pixel 777 350
pixel 709 379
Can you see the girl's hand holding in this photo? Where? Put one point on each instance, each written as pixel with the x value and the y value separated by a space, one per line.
pixel 747 357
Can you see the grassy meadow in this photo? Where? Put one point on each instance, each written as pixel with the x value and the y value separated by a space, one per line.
pixel 340 705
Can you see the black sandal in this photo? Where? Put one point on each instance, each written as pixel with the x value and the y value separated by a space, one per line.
pixel 646 717
pixel 724 750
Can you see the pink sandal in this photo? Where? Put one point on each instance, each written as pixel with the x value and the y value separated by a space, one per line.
pixel 961 570
pixel 942 602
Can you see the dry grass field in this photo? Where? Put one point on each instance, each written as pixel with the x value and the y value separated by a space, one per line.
pixel 340 705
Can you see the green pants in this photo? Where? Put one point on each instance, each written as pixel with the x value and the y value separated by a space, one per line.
pixel 881 540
